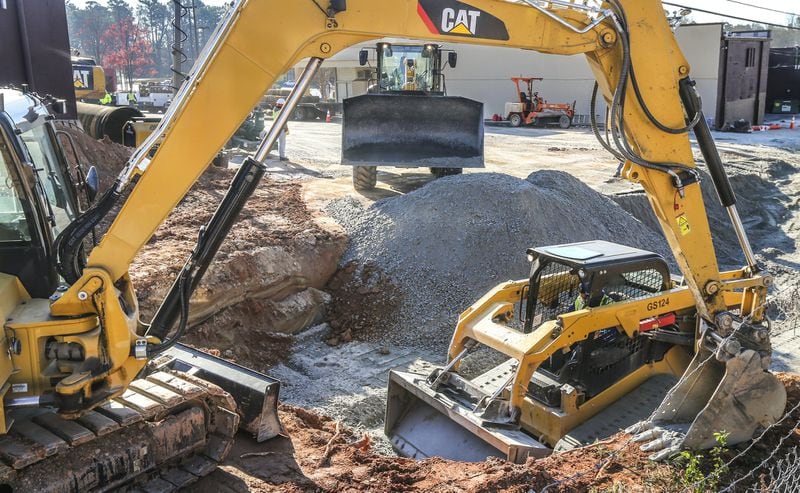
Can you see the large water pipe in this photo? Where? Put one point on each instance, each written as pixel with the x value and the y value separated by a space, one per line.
pixel 99 121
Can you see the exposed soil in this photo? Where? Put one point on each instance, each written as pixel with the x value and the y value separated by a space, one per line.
pixel 264 282
pixel 319 454
pixel 362 297
pixel 108 157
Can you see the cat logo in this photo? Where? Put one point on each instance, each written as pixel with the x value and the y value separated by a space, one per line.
pixel 460 22
pixel 456 18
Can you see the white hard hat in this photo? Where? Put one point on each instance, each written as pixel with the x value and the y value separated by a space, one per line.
pixel 280 102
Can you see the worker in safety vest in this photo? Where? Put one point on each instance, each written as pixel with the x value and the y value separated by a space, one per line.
pixel 131 98
pixel 284 131
pixel 582 301
pixel 107 99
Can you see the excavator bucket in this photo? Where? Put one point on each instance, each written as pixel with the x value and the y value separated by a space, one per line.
pixel 256 394
pixel 409 130
pixel 736 396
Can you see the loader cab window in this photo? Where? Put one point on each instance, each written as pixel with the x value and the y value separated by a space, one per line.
pixel 51 177
pixel 13 223
pixel 409 68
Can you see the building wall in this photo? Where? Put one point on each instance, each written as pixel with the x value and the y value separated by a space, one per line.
pixel 701 44
pixel 484 73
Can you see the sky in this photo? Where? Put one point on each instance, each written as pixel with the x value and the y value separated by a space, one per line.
pixel 724 6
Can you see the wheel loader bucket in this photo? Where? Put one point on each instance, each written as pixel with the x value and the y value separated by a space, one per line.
pixel 421 423
pixel 410 130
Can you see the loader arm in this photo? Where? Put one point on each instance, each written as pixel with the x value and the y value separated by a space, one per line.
pixel 258 40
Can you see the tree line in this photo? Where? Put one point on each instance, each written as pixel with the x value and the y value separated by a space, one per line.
pixel 135 38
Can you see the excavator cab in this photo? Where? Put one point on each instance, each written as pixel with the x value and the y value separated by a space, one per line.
pixel 571 383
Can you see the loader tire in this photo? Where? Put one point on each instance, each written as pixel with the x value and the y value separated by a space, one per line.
pixel 442 172
pixel 300 114
pixel 365 178
pixel 515 119
pixel 564 122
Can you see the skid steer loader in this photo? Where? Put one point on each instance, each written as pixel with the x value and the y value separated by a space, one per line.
pixel 595 337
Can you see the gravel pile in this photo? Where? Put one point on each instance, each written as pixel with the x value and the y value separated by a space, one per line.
pixel 444 245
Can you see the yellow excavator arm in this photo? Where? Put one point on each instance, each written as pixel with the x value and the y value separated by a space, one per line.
pixel 641 74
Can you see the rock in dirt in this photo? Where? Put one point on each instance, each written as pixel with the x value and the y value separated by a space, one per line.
pixel 266 279
pixel 414 262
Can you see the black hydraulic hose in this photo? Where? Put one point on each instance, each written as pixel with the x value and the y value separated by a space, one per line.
pixel 707 146
pixel 68 244
pixel 618 108
pixel 655 121
pixel 175 304
pixel 596 130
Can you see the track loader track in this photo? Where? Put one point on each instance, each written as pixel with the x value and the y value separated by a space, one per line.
pixel 165 432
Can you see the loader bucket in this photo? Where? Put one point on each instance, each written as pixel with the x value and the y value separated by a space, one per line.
pixel 421 423
pixel 255 394
pixel 410 130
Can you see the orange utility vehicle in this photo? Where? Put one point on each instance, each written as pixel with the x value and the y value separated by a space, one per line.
pixel 532 109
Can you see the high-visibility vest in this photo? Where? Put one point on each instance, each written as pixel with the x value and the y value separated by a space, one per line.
pixel 580 305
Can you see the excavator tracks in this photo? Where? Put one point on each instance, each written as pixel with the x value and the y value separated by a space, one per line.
pixel 165 432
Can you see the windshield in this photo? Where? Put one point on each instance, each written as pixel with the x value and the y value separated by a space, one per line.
pixel 13 225
pixel 50 175
pixel 407 69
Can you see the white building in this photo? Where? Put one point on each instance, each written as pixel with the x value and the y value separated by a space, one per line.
pixel 484 73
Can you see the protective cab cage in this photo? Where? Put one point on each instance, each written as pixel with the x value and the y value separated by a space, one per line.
pixel 607 273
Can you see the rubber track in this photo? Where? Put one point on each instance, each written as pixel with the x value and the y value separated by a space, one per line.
pixel 45 435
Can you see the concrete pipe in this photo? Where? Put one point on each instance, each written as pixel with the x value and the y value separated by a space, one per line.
pixel 99 121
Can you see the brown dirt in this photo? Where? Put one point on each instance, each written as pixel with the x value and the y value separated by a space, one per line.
pixel 108 157
pixel 264 282
pixel 299 463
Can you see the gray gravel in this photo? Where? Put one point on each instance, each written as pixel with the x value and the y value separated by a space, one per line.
pixel 449 242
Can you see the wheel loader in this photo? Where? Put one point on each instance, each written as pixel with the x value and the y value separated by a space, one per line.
pixel 94 399
pixel 406 119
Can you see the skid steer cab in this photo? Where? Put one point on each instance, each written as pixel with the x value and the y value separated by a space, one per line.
pixel 593 322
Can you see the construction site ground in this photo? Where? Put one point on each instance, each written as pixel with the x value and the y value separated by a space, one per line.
pixel 328 289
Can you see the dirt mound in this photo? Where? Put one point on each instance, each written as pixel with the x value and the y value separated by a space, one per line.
pixel 266 278
pixel 319 454
pixel 444 245
pixel 108 157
